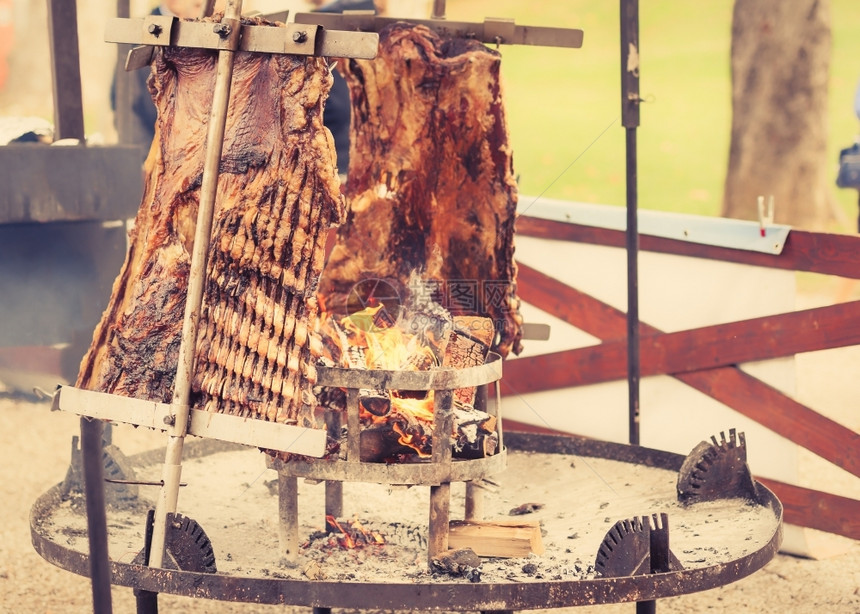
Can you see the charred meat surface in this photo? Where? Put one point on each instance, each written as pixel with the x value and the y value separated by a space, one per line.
pixel 277 195
pixel 431 186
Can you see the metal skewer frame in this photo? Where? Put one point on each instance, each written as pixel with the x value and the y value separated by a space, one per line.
pixel 177 418
pixel 491 31
pixel 172 470
pixel 294 38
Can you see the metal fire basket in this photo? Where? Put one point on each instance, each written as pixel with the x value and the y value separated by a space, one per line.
pixel 437 472
pixel 259 579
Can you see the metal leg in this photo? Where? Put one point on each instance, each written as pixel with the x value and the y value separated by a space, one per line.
pixel 437 541
pixel 93 465
pixel 334 489
pixel 474 502
pixel 646 607
pixel 334 499
pixel 147 602
pixel 288 516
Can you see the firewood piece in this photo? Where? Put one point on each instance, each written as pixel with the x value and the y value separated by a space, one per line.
pixel 277 195
pixel 525 508
pixel 484 445
pixel 459 562
pixel 380 444
pixel 468 344
pixel 431 186
pixel 497 538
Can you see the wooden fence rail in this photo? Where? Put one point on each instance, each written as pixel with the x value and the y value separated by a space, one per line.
pixel 706 358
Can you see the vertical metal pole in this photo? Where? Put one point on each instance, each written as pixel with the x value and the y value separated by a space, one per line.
pixel 630 121
pixel 288 516
pixel 334 488
pixel 94 492
pixel 66 69
pixel 122 88
pixel 440 496
pixel 172 470
pixel 474 502
pixel 69 124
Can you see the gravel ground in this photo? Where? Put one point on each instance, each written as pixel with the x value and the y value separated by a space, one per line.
pixel 37 442
pixel 36 447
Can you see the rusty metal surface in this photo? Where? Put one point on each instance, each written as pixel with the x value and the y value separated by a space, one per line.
pixel 72 183
pixel 433 379
pixel 492 31
pixel 715 470
pixel 450 595
pixel 294 38
pixel 458 470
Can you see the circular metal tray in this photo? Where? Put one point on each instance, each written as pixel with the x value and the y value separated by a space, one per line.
pixel 446 593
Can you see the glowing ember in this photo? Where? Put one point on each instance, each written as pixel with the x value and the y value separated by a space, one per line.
pixel 353 534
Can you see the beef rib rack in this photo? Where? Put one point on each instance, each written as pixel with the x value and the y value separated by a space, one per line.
pixel 431 187
pixel 278 193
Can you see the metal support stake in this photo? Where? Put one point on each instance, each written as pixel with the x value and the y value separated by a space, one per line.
pixel 66 70
pixel 334 488
pixel 172 470
pixel 288 516
pixel 630 120
pixel 474 493
pixel 474 502
pixel 94 492
pixel 440 496
pixel 69 123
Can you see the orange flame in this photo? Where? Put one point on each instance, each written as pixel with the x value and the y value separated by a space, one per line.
pixel 349 531
pixel 381 344
pixel 408 439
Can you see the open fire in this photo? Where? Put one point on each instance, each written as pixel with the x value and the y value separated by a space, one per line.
pixel 397 425
pixel 352 534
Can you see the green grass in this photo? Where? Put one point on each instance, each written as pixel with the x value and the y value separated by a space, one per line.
pixel 564 108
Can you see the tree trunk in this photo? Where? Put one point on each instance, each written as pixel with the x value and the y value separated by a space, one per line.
pixel 780 66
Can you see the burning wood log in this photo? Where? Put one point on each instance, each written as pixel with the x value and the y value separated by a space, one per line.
pixel 468 345
pixel 277 194
pixel 496 538
pixel 431 185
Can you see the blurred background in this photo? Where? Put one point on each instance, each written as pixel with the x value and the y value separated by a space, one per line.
pixel 559 101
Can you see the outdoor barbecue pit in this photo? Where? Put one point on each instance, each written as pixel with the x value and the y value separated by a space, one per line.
pixel 582 487
pixel 377 534
pixel 437 472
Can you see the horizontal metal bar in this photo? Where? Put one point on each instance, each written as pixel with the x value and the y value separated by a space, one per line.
pixel 491 31
pixel 432 379
pixel 534 331
pixel 246 431
pixel 292 38
pixel 719 232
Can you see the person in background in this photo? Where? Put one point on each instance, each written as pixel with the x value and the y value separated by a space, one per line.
pixel 338 107
pixel 857 101
pixel 143 113
pixel 847 287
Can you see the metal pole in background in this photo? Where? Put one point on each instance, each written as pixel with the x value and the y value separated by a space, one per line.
pixel 122 86
pixel 69 124
pixel 66 70
pixel 169 493
pixel 630 121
